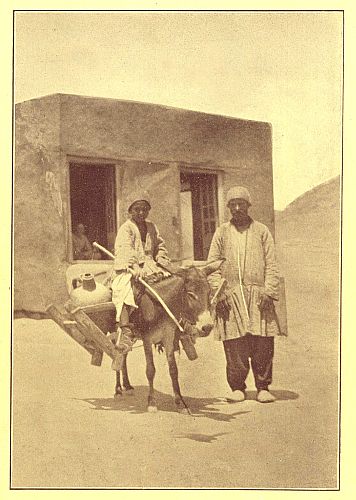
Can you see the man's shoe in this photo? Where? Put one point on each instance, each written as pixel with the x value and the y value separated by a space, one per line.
pixel 236 397
pixel 265 396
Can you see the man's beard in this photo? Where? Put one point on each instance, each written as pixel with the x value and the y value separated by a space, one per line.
pixel 240 219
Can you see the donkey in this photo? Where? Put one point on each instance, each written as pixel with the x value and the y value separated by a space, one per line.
pixel 186 293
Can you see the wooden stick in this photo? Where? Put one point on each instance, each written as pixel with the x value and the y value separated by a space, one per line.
pixel 97 357
pixel 98 308
pixel 103 249
pixel 93 333
pixel 71 328
pixel 163 304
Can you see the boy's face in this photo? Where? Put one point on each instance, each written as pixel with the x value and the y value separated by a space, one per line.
pixel 139 211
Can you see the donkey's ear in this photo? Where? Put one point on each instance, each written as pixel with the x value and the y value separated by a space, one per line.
pixel 184 267
pixel 211 267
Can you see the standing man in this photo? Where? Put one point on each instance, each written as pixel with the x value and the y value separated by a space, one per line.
pixel 245 318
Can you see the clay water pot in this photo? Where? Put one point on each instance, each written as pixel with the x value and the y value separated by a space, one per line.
pixel 89 292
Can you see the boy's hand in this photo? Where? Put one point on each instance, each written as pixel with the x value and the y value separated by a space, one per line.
pixel 137 272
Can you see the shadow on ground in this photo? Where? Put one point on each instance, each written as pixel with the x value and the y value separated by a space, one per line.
pixel 281 395
pixel 136 403
pixel 202 438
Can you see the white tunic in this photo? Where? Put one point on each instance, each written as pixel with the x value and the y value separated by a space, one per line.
pixel 257 274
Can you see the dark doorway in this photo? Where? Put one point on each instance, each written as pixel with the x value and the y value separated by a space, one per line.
pixel 199 208
pixel 93 202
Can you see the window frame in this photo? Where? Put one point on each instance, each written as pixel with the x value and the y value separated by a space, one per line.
pixel 95 161
pixel 220 175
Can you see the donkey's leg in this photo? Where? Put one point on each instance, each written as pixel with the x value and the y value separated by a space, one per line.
pixel 150 373
pixel 173 371
pixel 125 377
pixel 118 388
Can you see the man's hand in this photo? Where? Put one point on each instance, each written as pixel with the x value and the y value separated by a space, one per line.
pixel 223 307
pixel 266 303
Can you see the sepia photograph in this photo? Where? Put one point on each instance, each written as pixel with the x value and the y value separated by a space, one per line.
pixel 177 180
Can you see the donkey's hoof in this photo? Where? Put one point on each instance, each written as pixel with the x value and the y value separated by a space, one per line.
pixel 129 391
pixel 152 409
pixel 118 394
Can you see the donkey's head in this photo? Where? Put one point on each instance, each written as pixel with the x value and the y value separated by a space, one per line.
pixel 196 292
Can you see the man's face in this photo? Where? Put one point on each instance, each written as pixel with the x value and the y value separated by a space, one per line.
pixel 139 211
pixel 80 229
pixel 238 208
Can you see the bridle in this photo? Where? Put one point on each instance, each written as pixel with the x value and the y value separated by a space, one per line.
pixel 189 293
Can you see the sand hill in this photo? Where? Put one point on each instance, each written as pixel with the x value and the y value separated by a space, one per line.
pixel 313 217
pixel 308 237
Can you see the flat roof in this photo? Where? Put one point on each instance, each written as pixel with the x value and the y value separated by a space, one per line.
pixel 157 105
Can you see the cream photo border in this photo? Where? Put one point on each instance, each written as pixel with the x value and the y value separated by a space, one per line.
pixel 348 399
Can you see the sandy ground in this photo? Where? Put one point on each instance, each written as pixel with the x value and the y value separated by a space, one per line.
pixel 68 431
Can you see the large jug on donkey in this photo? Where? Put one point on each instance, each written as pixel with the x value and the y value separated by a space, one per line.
pixel 88 292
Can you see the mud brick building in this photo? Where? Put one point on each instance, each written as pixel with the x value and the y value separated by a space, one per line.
pixel 79 159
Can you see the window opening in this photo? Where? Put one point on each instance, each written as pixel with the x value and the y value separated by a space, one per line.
pixel 199 212
pixel 93 205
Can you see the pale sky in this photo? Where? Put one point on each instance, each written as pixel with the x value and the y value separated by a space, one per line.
pixel 282 68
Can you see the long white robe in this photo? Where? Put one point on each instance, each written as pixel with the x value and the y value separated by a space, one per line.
pixel 250 270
